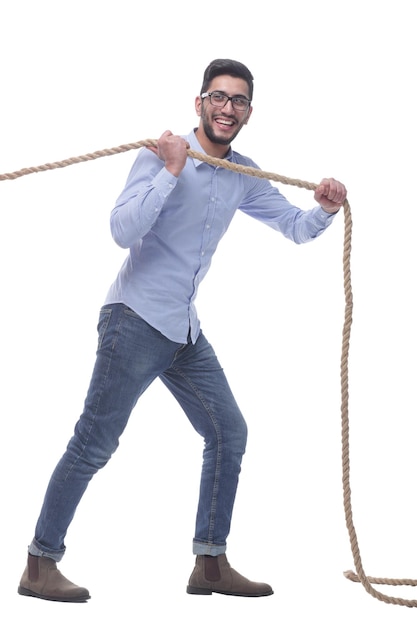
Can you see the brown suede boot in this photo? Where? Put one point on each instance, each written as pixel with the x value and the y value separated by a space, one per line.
pixel 213 574
pixel 42 579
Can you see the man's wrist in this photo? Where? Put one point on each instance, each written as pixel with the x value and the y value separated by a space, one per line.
pixel 331 211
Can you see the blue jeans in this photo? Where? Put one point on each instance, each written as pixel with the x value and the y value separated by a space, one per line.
pixel 130 355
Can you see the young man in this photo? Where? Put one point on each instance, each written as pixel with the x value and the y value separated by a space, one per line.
pixel 170 216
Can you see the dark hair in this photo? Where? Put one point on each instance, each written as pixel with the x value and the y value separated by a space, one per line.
pixel 220 67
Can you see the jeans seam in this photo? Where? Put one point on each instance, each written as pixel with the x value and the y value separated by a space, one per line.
pixel 213 507
pixel 96 406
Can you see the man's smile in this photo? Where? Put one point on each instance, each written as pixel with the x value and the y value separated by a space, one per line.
pixel 224 121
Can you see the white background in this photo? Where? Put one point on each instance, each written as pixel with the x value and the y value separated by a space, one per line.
pixel 334 96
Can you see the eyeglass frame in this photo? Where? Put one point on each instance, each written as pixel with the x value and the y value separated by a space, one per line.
pixel 208 94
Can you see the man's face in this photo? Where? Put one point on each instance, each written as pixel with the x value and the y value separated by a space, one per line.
pixel 222 124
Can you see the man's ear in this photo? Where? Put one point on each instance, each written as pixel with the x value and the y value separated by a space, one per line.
pixel 198 105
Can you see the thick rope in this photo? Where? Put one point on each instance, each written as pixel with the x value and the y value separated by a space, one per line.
pixel 360 576
pixel 251 171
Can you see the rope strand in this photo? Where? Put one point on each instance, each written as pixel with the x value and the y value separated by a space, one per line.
pixel 360 576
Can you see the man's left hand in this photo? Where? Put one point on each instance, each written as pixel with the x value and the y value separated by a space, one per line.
pixel 330 195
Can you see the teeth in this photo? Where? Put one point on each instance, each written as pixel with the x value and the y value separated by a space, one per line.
pixel 227 122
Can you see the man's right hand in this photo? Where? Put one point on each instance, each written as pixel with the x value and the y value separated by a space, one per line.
pixel 172 149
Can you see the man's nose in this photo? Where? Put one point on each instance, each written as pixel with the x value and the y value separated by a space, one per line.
pixel 228 106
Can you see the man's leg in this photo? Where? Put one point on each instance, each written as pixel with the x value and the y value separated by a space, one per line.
pixel 130 355
pixel 198 382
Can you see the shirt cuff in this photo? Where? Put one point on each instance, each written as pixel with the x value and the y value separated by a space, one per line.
pixel 164 182
pixel 325 216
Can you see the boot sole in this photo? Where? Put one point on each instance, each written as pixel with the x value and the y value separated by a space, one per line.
pixel 27 592
pixel 200 591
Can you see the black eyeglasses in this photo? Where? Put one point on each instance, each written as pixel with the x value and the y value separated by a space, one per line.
pixel 219 99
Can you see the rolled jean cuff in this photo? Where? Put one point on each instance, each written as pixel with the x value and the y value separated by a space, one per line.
pixel 35 549
pixel 209 549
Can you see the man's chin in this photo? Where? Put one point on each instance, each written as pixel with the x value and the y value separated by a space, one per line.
pixel 221 139
pixel 224 139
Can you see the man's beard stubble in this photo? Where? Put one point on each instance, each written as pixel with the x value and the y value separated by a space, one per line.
pixel 213 137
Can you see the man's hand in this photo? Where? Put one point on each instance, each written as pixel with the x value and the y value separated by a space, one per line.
pixel 330 195
pixel 171 149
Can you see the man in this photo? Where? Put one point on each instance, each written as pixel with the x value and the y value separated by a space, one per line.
pixel 170 216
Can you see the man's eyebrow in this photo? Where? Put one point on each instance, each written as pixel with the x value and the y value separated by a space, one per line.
pixel 236 95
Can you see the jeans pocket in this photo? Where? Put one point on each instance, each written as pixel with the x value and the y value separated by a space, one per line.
pixel 103 322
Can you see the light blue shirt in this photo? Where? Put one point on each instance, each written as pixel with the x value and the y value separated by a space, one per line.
pixel 172 226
